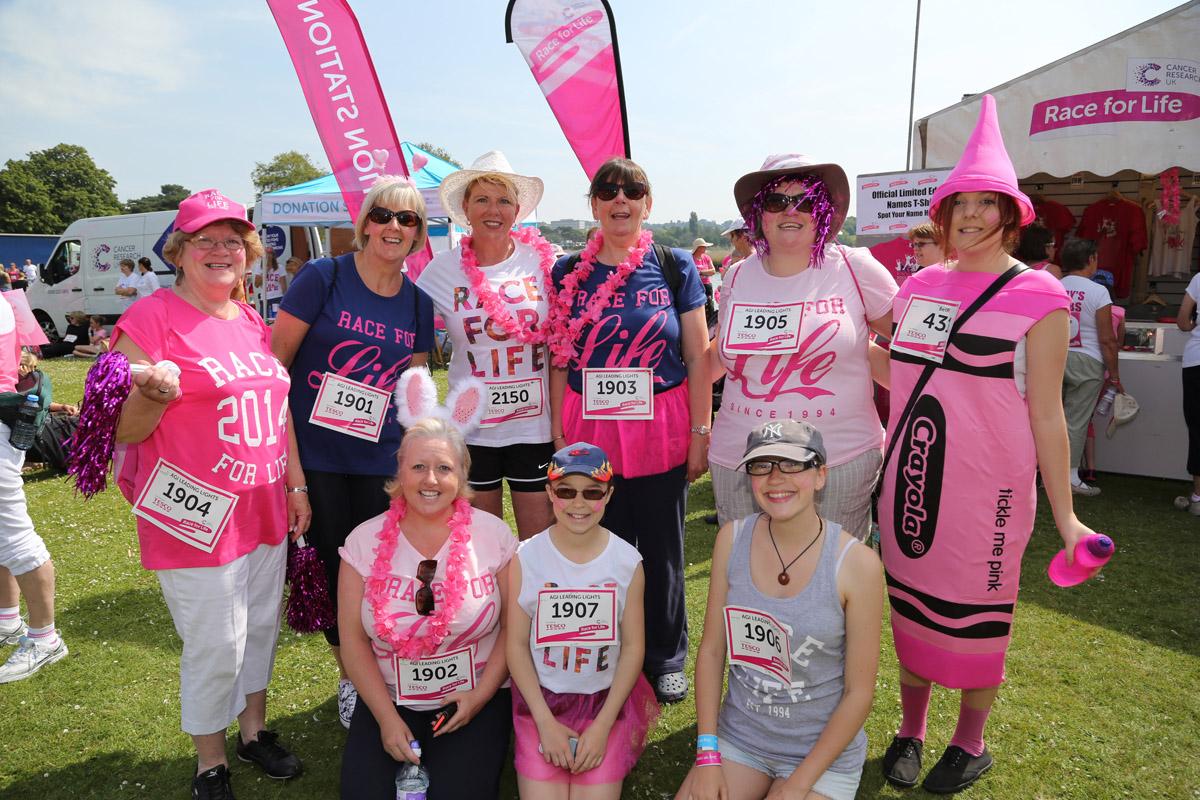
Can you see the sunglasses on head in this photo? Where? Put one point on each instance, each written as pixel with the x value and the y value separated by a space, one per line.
pixel 382 216
pixel 765 466
pixel 633 191
pixel 590 493
pixel 423 599
pixel 778 202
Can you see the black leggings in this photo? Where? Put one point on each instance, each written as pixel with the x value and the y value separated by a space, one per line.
pixel 339 504
pixel 463 764
pixel 1191 416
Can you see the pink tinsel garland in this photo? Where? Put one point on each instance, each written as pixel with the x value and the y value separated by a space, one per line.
pixel 105 391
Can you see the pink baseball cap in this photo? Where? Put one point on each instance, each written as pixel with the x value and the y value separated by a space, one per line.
pixel 206 207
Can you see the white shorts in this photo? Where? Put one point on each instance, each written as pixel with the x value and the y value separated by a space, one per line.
pixel 21 549
pixel 228 619
pixel 834 785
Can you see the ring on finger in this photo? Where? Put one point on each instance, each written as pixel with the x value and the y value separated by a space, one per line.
pixel 161 390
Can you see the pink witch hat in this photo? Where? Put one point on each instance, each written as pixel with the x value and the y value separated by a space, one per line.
pixel 985 165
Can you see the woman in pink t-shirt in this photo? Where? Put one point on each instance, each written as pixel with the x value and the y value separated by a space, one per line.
pixel 793 333
pixel 421 615
pixel 210 467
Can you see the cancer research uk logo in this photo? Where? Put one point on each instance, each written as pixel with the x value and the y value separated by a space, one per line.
pixel 98 255
pixel 1162 74
pixel 1142 76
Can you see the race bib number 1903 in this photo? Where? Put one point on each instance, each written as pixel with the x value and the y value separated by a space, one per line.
pixel 618 393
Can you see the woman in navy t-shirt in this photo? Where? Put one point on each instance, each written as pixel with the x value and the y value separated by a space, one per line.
pixel 628 344
pixel 347 329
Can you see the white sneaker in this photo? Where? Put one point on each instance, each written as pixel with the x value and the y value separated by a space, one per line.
pixel 1082 488
pixel 347 699
pixel 1186 503
pixel 29 657
pixel 13 635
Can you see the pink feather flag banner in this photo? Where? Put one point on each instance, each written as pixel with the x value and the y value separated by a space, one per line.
pixel 571 48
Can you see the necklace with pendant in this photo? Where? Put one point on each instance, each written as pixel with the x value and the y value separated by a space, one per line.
pixel 783 578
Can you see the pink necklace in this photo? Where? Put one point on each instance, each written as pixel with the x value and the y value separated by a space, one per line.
pixel 490 298
pixel 407 644
pixel 566 329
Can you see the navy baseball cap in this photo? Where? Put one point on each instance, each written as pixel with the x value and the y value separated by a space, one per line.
pixel 580 458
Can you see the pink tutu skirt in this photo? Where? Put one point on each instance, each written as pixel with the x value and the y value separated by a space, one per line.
pixel 636 448
pixel 626 740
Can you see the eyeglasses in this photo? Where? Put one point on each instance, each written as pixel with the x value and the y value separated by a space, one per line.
pixel 590 493
pixel 423 599
pixel 609 191
pixel 204 244
pixel 785 465
pixel 382 216
pixel 919 245
pixel 778 202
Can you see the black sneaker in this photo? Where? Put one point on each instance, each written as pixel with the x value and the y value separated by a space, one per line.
pixel 902 761
pixel 212 784
pixel 268 753
pixel 956 770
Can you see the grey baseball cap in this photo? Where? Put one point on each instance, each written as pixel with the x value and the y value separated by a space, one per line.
pixel 789 438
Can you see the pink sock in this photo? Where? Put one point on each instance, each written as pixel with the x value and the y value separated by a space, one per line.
pixel 10 614
pixel 46 636
pixel 914 704
pixel 968 734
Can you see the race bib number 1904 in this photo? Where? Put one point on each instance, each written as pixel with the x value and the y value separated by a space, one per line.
pixel 186 507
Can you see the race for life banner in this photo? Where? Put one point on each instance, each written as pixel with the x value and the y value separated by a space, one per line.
pixel 571 48
pixel 342 90
pixel 893 202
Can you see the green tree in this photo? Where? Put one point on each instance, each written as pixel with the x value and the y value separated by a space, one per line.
pixel 848 235
pixel 168 199
pixel 52 188
pixel 694 225
pixel 440 152
pixel 285 169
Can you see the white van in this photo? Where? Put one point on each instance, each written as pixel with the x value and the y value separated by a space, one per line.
pixel 83 270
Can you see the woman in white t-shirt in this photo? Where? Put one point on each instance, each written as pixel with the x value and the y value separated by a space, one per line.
pixel 793 334
pixel 491 291
pixel 1093 349
pixel 147 281
pixel 1186 320
pixel 126 287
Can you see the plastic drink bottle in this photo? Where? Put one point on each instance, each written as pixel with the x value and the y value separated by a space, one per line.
pixel 1090 552
pixel 1106 401
pixel 412 781
pixel 25 428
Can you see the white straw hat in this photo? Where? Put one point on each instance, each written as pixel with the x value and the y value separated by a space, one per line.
pixel 699 242
pixel 454 187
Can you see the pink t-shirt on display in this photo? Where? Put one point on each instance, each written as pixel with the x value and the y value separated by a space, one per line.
pixel 476 625
pixel 209 478
pixel 827 381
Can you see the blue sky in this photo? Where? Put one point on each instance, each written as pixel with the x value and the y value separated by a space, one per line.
pixel 195 93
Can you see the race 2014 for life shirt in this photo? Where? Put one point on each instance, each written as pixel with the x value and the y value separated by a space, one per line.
pixel 641 326
pixel 826 380
pixel 357 334
pixel 1087 297
pixel 227 432
pixel 484 350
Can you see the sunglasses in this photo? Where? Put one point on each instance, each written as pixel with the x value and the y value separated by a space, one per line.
pixel 785 465
pixel 382 216
pixel 590 493
pixel 204 244
pixel 423 599
pixel 778 202
pixel 609 191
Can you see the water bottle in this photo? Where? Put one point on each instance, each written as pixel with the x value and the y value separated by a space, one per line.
pixel 1090 552
pixel 412 781
pixel 1106 401
pixel 25 428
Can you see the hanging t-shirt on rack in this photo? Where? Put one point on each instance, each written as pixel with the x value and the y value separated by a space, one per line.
pixel 1119 227
pixel 1171 244
pixel 1057 219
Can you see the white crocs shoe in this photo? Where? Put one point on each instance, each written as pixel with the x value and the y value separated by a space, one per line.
pixel 347 699
pixel 29 657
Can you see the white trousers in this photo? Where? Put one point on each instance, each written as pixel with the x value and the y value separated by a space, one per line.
pixel 21 549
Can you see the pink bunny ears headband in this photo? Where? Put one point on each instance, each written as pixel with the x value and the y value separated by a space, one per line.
pixel 416 399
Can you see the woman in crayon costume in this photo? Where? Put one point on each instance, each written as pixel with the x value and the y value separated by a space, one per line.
pixel 958 499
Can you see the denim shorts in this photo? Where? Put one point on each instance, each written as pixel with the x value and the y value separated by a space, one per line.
pixel 834 785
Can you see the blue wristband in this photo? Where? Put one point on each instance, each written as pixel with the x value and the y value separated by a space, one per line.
pixel 706 741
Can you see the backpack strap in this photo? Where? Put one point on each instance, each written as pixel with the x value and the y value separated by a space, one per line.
pixel 672 272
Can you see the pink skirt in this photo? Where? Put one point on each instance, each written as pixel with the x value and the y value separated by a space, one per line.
pixel 636 448
pixel 626 740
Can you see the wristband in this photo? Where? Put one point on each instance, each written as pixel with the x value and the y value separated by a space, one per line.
pixel 708 758
pixel 295 489
pixel 706 741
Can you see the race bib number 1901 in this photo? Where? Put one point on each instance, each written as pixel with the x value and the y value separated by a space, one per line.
pixel 349 407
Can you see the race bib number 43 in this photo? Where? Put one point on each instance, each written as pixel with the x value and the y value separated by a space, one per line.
pixel 509 400
pixel 757 640
pixel 575 616
pixel 924 328
pixel 618 394
pixel 763 329
pixel 186 507
pixel 429 679
pixel 350 407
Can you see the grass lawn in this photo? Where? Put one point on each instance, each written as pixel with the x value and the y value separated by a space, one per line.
pixel 1103 697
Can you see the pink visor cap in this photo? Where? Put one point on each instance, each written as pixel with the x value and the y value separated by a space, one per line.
pixel 206 207
pixel 985 166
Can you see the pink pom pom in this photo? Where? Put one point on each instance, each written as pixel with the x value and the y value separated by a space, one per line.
pixel 309 608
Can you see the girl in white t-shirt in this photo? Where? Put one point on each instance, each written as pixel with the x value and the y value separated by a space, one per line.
pixel 576 641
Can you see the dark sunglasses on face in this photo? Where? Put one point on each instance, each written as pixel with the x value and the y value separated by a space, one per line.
pixel 609 191
pixel 778 202
pixel 382 216
pixel 590 493
pixel 785 465
pixel 423 599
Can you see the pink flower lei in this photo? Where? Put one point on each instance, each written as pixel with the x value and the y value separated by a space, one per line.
pixel 566 329
pixel 406 643
pixel 492 303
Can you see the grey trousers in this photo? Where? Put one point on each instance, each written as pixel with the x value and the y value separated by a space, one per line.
pixel 1081 390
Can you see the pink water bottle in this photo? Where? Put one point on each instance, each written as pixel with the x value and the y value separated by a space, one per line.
pixel 1090 552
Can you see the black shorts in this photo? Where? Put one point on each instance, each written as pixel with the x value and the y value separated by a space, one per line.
pixel 522 465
